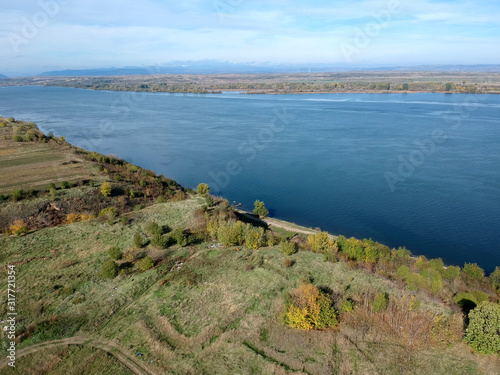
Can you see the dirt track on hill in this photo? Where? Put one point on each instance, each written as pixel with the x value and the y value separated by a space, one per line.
pixel 132 363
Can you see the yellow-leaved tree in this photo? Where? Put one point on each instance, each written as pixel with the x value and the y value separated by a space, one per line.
pixel 308 308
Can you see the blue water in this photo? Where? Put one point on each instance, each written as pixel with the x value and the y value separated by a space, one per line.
pixel 414 170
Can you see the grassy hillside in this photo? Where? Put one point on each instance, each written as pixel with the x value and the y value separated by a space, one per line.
pixel 193 294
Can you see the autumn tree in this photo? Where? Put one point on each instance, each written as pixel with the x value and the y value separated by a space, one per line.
pixel 308 308
pixel 106 189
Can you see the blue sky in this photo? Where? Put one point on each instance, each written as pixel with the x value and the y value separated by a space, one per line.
pixel 40 35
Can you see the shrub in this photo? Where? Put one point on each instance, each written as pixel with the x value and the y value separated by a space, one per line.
pixel 18 228
pixel 65 185
pixel 72 218
pixel 138 240
pixel 146 263
pixel 437 264
pixel 288 247
pixel 179 237
pixel 153 228
pixel 380 303
pixel 288 262
pixel 158 240
pixel 308 308
pixel 451 273
pixel 106 189
pixel 209 201
pixel 18 138
pixel 179 196
pixel 252 238
pixel 473 271
pixel 203 190
pixel 160 199
pixel 52 186
pixel 403 272
pixel 321 242
pixel 469 300
pixel 138 207
pixel 347 305
pixel 3 197
pixel 260 209
pixel 230 233
pixel 17 194
pixel 109 269
pixel 108 213
pixel 53 194
pixel 114 253
pixel 495 278
pixel 482 334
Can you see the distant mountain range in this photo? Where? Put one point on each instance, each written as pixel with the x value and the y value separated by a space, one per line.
pixel 215 67
pixel 2 76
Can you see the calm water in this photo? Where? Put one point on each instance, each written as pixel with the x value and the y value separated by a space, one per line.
pixel 417 170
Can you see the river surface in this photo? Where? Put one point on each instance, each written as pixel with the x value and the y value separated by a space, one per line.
pixel 414 170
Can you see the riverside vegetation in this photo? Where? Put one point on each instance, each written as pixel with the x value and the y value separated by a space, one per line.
pixel 111 257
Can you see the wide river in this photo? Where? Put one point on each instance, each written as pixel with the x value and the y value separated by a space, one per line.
pixel 414 170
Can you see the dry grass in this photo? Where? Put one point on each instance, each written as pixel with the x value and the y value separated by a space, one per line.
pixel 34 165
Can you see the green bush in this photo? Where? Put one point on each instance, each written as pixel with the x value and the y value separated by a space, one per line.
pixel 473 271
pixel 65 185
pixel 179 237
pixel 437 264
pixel 18 138
pixel 260 209
pixel 469 300
pixel 138 240
pixel 230 233
pixel 158 240
pixel 209 201
pixel 109 269
pixel 403 272
pixel 451 273
pixel 288 247
pixel 17 194
pixel 495 278
pixel 380 303
pixel 146 263
pixel 483 332
pixel 203 190
pixel 114 253
pixel 347 306
pixel 153 228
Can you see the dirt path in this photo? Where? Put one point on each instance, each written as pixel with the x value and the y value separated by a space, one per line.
pixel 279 224
pixel 131 362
